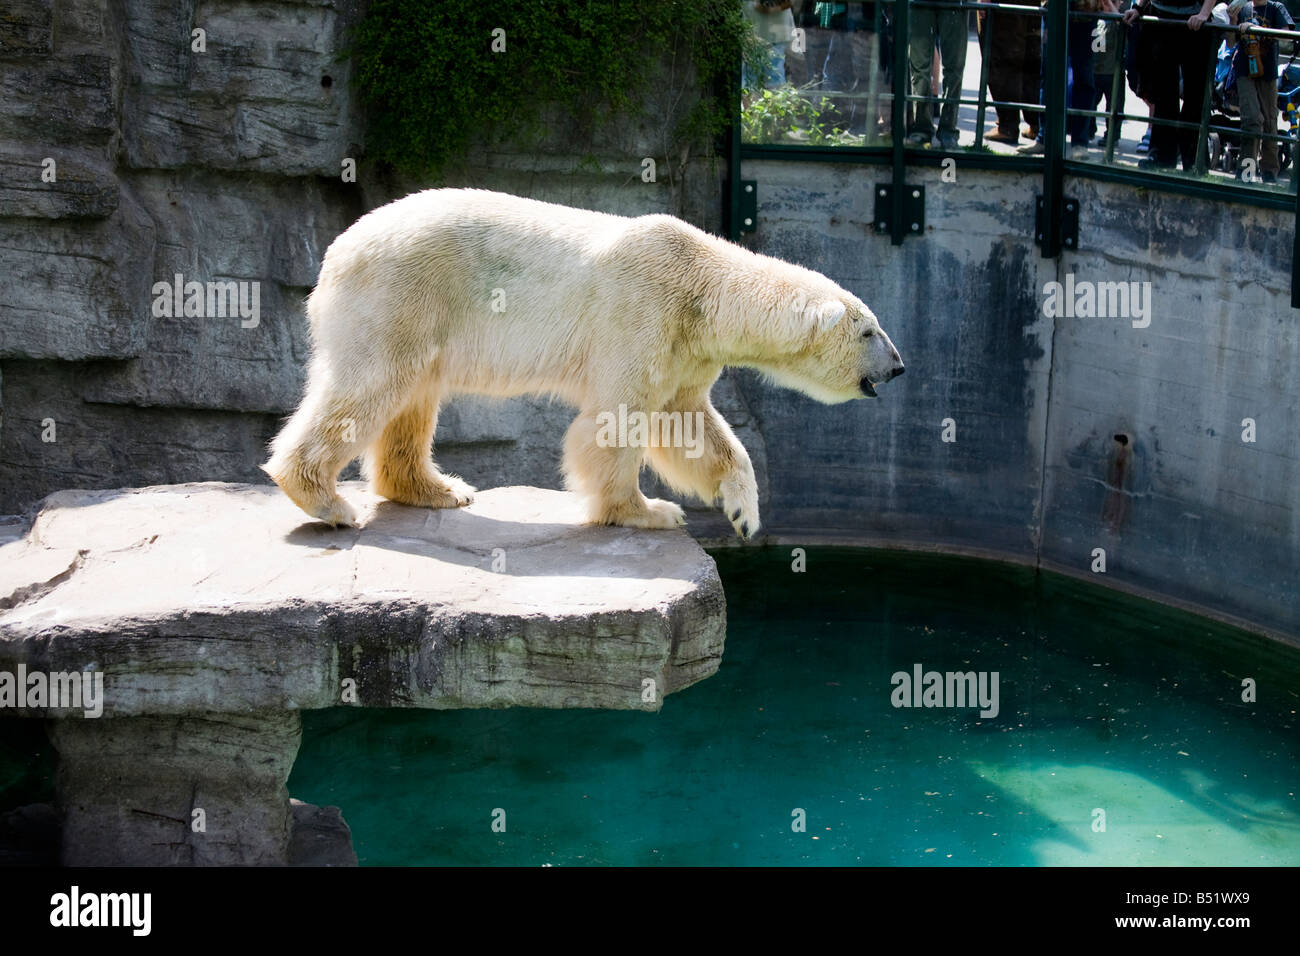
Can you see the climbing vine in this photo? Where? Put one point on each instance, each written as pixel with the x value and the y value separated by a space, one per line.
pixel 435 75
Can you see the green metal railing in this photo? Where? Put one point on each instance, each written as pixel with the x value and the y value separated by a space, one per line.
pixel 1054 165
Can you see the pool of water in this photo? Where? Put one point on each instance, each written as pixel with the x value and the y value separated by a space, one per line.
pixel 1121 738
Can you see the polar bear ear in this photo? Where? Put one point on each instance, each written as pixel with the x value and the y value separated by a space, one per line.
pixel 828 314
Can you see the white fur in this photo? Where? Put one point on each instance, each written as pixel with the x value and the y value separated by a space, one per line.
pixel 598 310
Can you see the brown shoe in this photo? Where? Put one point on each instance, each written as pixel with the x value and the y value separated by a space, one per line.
pixel 998 136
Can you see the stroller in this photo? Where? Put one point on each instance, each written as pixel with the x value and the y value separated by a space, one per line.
pixel 1288 101
pixel 1225 147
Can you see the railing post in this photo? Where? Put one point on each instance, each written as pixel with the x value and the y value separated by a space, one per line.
pixel 1116 84
pixel 873 83
pixel 902 86
pixel 1054 75
pixel 733 159
pixel 986 45
pixel 1295 248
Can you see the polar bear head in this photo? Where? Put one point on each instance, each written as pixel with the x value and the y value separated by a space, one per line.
pixel 834 349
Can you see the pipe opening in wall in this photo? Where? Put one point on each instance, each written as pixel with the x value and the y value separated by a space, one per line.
pixel 1121 439
pixel 327 81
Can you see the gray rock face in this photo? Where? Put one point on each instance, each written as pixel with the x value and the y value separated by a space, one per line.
pixel 225 164
pixel 226 599
pixel 200 790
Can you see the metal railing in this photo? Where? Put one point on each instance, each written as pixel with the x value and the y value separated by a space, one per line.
pixel 1054 114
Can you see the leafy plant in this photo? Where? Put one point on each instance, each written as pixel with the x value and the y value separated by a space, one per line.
pixel 432 82
pixel 794 115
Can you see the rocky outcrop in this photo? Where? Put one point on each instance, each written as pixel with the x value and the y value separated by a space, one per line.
pixel 215 613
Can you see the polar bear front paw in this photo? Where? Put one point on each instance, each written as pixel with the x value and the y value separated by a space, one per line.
pixel 651 513
pixel 740 502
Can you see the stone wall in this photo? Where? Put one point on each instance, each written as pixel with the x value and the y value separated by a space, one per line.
pixel 225 165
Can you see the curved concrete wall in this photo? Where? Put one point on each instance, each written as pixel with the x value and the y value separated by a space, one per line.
pixel 1072 432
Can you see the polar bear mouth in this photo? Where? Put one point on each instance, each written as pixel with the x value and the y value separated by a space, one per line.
pixel 867 387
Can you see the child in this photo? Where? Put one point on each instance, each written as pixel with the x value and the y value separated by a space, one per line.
pixel 1257 95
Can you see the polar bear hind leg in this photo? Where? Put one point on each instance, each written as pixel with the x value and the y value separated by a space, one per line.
pixel 399 465
pixel 331 427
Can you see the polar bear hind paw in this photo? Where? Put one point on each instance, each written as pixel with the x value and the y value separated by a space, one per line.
pixel 337 513
pixel 448 492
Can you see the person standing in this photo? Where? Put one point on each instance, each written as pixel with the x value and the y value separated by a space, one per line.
pixel 1256 68
pixel 948 27
pixel 773 22
pixel 1178 52
pixel 1014 49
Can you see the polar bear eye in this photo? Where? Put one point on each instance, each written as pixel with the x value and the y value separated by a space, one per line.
pixel 869 333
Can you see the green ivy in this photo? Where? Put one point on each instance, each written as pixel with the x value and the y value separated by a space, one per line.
pixel 432 85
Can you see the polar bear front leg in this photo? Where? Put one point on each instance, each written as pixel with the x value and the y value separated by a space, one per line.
pixel 606 477
pixel 710 463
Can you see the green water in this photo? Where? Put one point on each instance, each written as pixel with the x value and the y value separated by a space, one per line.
pixel 1105 703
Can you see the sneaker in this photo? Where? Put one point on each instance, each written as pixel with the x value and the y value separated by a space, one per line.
pixel 1150 164
pixel 1033 149
pixel 948 139
pixel 917 139
pixel 1144 144
pixel 1078 152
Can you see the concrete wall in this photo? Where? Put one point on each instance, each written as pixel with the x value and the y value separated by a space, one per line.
pixel 1182 506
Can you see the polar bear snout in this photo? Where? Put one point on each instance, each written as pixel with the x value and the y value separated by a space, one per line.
pixel 882 362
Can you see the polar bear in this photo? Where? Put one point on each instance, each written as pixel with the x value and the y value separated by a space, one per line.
pixel 450 291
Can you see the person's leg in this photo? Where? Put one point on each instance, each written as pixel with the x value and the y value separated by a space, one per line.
pixel 998 46
pixel 839 77
pixel 818 42
pixel 1031 73
pixel 1079 52
pixel 1268 162
pixel 866 78
pixel 953 37
pixel 1163 85
pixel 1100 91
pixel 920 59
pixel 776 68
pixel 1252 120
pixel 1193 57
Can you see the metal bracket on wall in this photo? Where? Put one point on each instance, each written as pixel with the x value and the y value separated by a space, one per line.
pixel 913 209
pixel 748 205
pixel 1068 217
